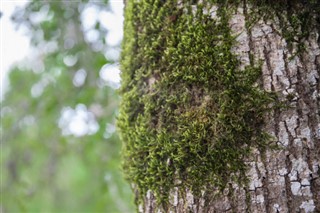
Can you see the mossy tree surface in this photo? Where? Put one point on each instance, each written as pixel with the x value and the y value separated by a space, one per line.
pixel 192 113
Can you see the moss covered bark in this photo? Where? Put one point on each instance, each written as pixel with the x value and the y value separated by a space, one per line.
pixel 189 115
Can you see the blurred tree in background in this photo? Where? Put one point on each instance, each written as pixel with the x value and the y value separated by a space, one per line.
pixel 60 152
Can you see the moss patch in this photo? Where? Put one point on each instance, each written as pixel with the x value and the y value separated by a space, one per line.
pixel 188 116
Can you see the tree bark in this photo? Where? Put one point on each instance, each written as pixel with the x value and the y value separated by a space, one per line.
pixel 285 179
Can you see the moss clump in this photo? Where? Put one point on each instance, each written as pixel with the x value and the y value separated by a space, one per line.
pixel 188 116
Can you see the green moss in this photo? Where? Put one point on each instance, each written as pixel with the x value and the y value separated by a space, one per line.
pixel 188 112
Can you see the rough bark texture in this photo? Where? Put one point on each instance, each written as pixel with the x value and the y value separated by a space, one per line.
pixel 285 179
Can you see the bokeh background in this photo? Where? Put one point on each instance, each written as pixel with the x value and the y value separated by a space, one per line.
pixel 59 148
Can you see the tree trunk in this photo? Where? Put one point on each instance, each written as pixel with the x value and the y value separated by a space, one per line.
pixel 172 123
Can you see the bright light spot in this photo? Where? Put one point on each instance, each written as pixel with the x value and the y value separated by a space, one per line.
pixel 113 22
pixel 108 20
pixel 112 53
pixel 117 7
pixel 92 35
pixel 79 78
pixel 37 17
pixel 110 129
pixel 78 126
pixel 111 74
pixel 37 66
pixel 38 35
pixel 89 17
pixel 114 38
pixel 14 45
pixel 97 46
pixel 308 206
pixel 70 60
pixel 38 88
pixel 78 122
pixel 296 188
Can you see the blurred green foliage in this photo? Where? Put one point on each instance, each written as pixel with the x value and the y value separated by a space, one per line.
pixel 44 170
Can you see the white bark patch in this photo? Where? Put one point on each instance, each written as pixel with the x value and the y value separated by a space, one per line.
pixel 266 29
pixel 315 96
pixel 312 77
pixel 283 171
pixel 291 92
pixel 306 133
pixel 292 67
pixel 283 135
pixel 296 188
pixel 305 182
pixel 306 191
pixel 190 199
pixel 151 81
pixel 293 175
pixel 255 184
pixel 174 196
pixel 149 194
pixel 301 166
pixel 277 208
pixel 297 142
pixel 140 208
pixel 291 124
pixel 212 11
pixel 242 49
pixel 277 63
pixel 308 206
pixel 255 181
pixel 259 199
pixel 194 9
pixel 315 168
pixel 257 32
